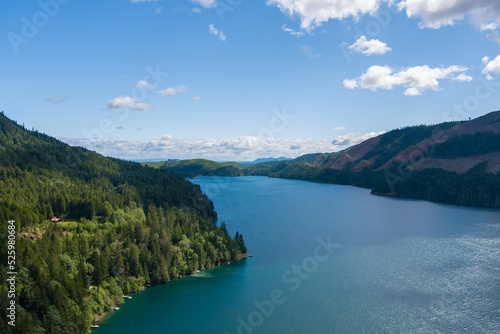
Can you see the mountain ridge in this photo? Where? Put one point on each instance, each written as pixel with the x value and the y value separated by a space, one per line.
pixel 452 162
pixel 421 155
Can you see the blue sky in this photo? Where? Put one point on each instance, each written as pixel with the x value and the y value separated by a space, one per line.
pixel 241 79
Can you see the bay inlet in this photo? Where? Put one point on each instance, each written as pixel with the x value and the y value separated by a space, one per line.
pixel 332 259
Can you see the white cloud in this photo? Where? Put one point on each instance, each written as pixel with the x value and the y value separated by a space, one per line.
pixel 237 148
pixel 354 138
pixel 416 79
pixel 369 47
pixel 291 31
pixel 462 77
pixel 142 106
pixel 56 99
pixel 171 91
pixel 158 10
pixel 491 66
pixel 433 13
pixel 141 84
pixel 313 13
pixel 196 10
pixel 438 13
pixel 205 3
pixel 338 128
pixel 196 98
pixel 214 31
pixel 488 26
pixel 121 102
pixel 244 148
pixel 308 51
pixel 495 37
pixel 350 83
pixel 412 91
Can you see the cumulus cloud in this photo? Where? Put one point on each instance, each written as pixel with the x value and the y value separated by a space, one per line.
pixel 56 99
pixel 416 79
pixel 350 83
pixel 237 148
pixel 314 13
pixel 491 66
pixel 369 47
pixel 142 84
pixel 462 77
pixel 495 37
pixel 437 13
pixel 433 13
pixel 218 33
pixel 412 91
pixel 338 128
pixel 354 138
pixel 292 32
pixel 196 98
pixel 205 3
pixel 122 102
pixel 488 26
pixel 308 51
pixel 171 91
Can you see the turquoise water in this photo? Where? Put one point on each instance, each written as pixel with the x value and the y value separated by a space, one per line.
pixel 332 259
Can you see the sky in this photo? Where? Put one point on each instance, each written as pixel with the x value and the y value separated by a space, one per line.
pixel 243 79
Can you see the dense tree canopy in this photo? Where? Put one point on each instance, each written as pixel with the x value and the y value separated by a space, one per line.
pixel 123 226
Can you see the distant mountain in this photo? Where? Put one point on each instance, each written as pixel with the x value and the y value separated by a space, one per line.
pixel 198 167
pixel 455 147
pixel 454 162
pixel 151 160
pixel 262 160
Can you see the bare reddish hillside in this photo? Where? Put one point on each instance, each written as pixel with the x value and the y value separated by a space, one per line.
pixel 419 156
pixel 354 153
pixel 423 150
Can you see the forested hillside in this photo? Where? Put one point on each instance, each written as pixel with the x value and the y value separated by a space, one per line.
pixel 201 167
pixel 121 226
pixel 452 162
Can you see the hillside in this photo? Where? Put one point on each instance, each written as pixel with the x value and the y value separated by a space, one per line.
pixel 200 167
pixel 197 167
pixel 263 160
pixel 454 162
pixel 452 146
pixel 122 226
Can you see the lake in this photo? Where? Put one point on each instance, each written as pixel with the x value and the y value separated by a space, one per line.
pixel 332 259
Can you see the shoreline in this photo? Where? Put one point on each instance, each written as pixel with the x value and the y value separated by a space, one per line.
pixel 143 288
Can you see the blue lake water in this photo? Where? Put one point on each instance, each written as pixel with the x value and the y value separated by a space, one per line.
pixel 332 259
